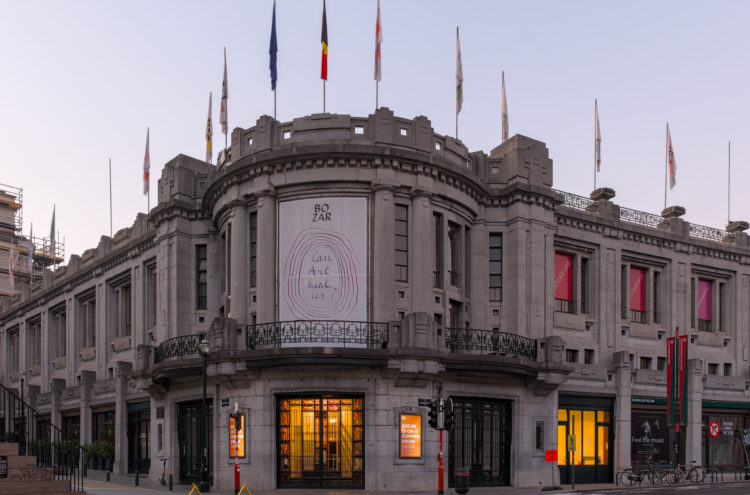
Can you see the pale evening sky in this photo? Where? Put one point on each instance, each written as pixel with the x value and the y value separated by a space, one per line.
pixel 83 79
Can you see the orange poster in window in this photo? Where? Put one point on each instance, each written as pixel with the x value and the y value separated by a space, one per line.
pixel 410 435
pixel 237 438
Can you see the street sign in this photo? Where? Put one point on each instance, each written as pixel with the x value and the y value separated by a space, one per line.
pixel 425 402
pixel 550 455
pixel 713 429
pixel 572 443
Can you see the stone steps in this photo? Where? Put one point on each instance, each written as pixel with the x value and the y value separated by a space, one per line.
pixel 24 477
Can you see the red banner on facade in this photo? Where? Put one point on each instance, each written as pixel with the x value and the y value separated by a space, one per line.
pixel 683 356
pixel 563 276
pixel 637 292
pixel 704 299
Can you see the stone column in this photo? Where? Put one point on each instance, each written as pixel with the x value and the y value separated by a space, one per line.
pixel 479 277
pixel 239 263
pixel 87 379
pixel 266 258
pixel 382 245
pixel 120 464
pixel 621 452
pixel 694 428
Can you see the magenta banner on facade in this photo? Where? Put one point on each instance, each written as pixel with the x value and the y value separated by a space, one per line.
pixel 637 294
pixel 563 277
pixel 704 300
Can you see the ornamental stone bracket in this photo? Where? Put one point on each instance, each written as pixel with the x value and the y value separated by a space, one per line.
pixel 414 372
pixel 224 335
pixel 233 374
pixel 553 372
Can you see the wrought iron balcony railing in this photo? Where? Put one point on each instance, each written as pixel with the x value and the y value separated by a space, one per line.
pixel 178 346
pixel 489 342
pixel 362 334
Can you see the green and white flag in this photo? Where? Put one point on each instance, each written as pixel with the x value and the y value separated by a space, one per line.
pixel 459 76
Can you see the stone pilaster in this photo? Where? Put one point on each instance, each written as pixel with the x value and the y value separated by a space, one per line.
pixel 266 282
pixel 239 263
pixel 694 427
pixel 621 451
pixel 421 256
pixel 382 299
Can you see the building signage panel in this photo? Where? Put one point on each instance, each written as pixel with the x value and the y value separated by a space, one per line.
pixel 237 437
pixel 410 436
pixel 323 259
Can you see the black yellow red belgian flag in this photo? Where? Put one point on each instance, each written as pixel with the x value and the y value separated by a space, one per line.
pixel 324 41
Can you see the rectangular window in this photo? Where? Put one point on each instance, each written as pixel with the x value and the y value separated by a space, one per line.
pixel 496 267
pixel 253 248
pixel 564 283
pixel 584 285
pixel 13 350
pixel 454 240
pixel 201 276
pixel 149 300
pixel 692 303
pixel 467 261
pixel 655 296
pixel 87 319
pixel 722 306
pixel 713 369
pixel 727 369
pixel 120 309
pixel 437 271
pixel 58 331
pixel 34 342
pixel 661 363
pixel 229 262
pixel 402 243
pixel 645 363
pixel 588 356
pixel 571 355
pixel 637 295
pixel 704 304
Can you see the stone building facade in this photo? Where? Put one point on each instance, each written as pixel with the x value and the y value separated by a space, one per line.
pixel 340 270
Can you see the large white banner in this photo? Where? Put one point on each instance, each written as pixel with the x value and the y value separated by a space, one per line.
pixel 323 259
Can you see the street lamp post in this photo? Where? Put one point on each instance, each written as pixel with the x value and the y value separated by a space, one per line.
pixel 22 433
pixel 204 487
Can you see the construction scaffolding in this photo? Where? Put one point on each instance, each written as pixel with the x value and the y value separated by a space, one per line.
pixel 23 268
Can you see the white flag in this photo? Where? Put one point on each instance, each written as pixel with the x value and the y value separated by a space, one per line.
pixel 597 138
pixel 459 76
pixel 505 112
pixel 223 119
pixel 146 166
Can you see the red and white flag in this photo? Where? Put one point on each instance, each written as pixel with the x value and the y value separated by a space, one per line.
pixel 378 41
pixel 671 161
pixel 146 166
pixel 223 119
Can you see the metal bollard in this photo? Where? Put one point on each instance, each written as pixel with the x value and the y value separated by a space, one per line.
pixel 137 479
pixel 107 475
pixel 170 482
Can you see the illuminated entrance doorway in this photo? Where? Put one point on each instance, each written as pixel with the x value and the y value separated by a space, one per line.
pixel 320 441
pixel 589 419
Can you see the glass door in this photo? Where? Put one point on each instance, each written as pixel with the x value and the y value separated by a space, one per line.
pixel 592 432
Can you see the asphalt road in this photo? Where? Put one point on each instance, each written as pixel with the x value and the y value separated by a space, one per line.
pixel 731 488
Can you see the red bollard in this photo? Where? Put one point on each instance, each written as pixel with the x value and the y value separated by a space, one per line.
pixel 236 477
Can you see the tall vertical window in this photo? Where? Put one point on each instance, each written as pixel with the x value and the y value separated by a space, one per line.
pixel 402 243
pixel 14 347
pixel 454 240
pixel 496 267
pixel 87 319
pixel 564 283
pixel 467 261
pixel 437 271
pixel 223 262
pixel 585 285
pixel 34 342
pixel 704 304
pixel 201 276
pixel 637 295
pixel 693 293
pixel 229 260
pixel 253 248
pixel 149 300
pixel 58 331
pixel 120 312
pixel 722 306
pixel 656 303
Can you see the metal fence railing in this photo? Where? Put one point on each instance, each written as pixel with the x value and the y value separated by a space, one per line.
pixel 474 340
pixel 367 334
pixel 178 346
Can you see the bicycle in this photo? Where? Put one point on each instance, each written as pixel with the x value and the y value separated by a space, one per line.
pixel 657 473
pixel 631 477
pixel 163 479
pixel 696 474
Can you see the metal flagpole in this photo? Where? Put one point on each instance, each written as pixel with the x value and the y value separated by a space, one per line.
pixel 376 94
pixel 666 160
pixel 595 136
pixel 324 96
pixel 729 179
pixel 274 103
pixel 110 197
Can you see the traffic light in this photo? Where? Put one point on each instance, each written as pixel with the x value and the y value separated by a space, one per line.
pixel 450 417
pixel 433 415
